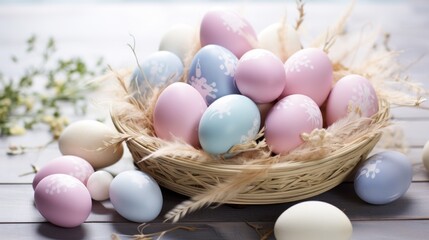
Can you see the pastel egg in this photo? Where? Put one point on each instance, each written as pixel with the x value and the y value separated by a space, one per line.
pixel 309 72
pixel 229 30
pixel 179 39
pixel 136 196
pixel 351 91
pixel 70 165
pixel 86 139
pixel 98 185
pixel 212 72
pixel 313 220
pixel 177 113
pixel 288 119
pixel 157 70
pixel 230 120
pixel 63 200
pixel 280 39
pixel 383 178
pixel 260 76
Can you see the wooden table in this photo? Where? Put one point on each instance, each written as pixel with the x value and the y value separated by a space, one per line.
pixel 94 30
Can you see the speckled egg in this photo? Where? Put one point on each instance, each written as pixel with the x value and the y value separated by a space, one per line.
pixel 71 165
pixel 281 39
pixel 157 70
pixel 212 72
pixel 136 196
pixel 228 121
pixel 288 119
pixel 351 91
pixel 229 30
pixel 177 113
pixel 260 76
pixel 63 200
pixel 309 72
pixel 383 178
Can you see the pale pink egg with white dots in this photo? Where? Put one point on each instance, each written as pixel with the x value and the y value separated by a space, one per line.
pixel 309 72
pixel 260 75
pixel 288 119
pixel 351 91
pixel 177 113
pixel 71 165
pixel 229 30
pixel 63 200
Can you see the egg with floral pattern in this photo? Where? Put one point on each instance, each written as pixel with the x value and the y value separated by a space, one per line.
pixel 230 120
pixel 229 30
pixel 212 72
pixel 309 72
pixel 288 119
pixel 383 178
pixel 351 91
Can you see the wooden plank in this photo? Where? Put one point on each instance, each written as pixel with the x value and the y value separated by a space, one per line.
pixel 362 230
pixel 16 205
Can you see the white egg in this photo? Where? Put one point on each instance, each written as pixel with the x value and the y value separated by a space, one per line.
pixel 425 156
pixel 280 39
pixel 178 39
pixel 313 220
pixel 86 139
pixel 98 185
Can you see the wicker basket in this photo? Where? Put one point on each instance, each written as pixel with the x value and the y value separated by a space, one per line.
pixel 283 182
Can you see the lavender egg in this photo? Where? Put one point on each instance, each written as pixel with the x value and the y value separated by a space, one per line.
pixel 383 178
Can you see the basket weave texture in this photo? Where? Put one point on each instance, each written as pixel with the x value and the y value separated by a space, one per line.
pixel 283 181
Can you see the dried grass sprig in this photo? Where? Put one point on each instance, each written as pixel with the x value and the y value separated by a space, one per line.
pixel 300 7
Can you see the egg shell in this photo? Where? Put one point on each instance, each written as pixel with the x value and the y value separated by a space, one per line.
pixel 157 70
pixel 260 76
pixel 212 72
pixel 425 156
pixel 229 30
pixel 280 39
pixel 179 39
pixel 71 165
pixel 177 113
pixel 228 121
pixel 83 138
pixel 288 119
pixel 136 196
pixel 309 72
pixel 98 185
pixel 383 178
pixel 354 91
pixel 63 200
pixel 313 220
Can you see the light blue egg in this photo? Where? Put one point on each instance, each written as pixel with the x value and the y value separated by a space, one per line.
pixel 383 178
pixel 136 196
pixel 212 72
pixel 228 121
pixel 157 70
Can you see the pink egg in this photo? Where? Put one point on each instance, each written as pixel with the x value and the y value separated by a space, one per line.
pixel 260 76
pixel 228 30
pixel 353 90
pixel 67 164
pixel 63 200
pixel 177 113
pixel 288 119
pixel 309 72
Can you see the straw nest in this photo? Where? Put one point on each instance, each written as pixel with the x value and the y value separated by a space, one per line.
pixel 254 175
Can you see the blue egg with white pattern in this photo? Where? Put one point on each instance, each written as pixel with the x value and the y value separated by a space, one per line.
pixel 383 178
pixel 157 70
pixel 212 72
pixel 230 120
pixel 136 196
